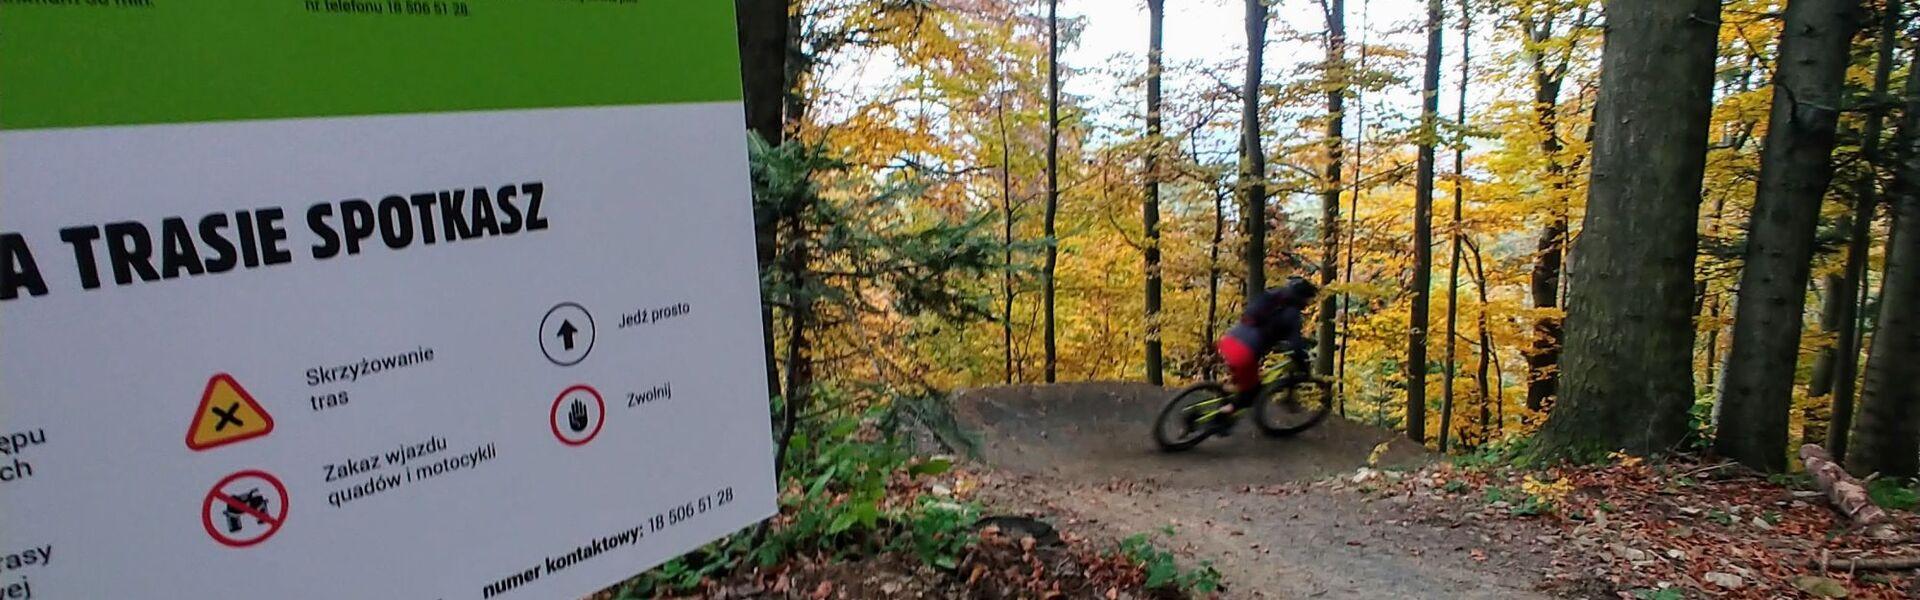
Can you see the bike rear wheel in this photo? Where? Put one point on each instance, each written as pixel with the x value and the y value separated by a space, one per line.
pixel 1191 416
pixel 1293 406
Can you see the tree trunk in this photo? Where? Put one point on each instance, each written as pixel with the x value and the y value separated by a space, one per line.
pixel 798 393
pixel 1886 440
pixel 1543 355
pixel 1493 431
pixel 1337 78
pixel 1845 355
pixel 1253 163
pixel 1627 381
pixel 1053 184
pixel 1353 216
pixel 1423 232
pixel 1832 308
pixel 763 71
pixel 1006 246
pixel 1454 232
pixel 1150 219
pixel 1213 271
pixel 1795 167
pixel 1708 304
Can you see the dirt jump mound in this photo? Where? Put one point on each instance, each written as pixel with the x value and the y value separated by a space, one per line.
pixel 1102 431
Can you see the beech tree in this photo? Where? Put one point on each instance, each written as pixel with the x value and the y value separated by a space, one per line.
pixel 1150 219
pixel 1795 168
pixel 1886 440
pixel 1423 230
pixel 1627 380
pixel 1253 161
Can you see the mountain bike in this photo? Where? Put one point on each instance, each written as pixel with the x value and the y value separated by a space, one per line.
pixel 1291 400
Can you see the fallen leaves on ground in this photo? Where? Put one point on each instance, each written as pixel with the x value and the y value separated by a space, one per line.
pixel 1648 530
pixel 1000 564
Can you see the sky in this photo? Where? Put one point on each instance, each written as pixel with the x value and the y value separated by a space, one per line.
pixel 1209 31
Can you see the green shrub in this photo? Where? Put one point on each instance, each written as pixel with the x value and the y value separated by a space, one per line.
pixel 835 502
pixel 1893 494
pixel 1660 594
pixel 1163 569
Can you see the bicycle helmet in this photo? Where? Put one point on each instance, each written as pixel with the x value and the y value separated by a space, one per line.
pixel 1302 290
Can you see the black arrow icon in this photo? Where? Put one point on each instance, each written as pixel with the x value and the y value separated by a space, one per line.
pixel 567 330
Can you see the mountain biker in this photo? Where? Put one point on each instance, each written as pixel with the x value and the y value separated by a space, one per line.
pixel 1273 320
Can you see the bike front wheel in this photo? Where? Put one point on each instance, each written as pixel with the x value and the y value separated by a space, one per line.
pixel 1291 407
pixel 1191 416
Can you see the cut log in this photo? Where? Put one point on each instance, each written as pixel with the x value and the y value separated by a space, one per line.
pixel 1892 563
pixel 1848 496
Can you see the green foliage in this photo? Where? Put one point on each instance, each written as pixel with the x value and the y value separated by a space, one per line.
pixel 1700 429
pixel 1519 502
pixel 1660 594
pixel 860 237
pixel 939 532
pixel 1798 481
pixel 1163 569
pixel 836 502
pixel 1532 506
pixel 686 573
pixel 1894 494
pixel 1494 455
pixel 1720 516
pixel 1496 494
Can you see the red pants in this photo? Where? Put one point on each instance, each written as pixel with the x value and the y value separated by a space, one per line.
pixel 1242 363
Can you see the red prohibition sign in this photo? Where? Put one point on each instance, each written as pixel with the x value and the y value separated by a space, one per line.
pixel 599 421
pixel 217 498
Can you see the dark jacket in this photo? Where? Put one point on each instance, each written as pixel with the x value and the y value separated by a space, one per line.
pixel 1273 320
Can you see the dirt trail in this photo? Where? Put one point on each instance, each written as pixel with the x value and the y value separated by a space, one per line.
pixel 1082 454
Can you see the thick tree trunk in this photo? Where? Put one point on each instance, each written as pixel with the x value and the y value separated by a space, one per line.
pixel 763 64
pixel 1053 186
pixel 1253 162
pixel 1150 219
pixel 1845 356
pixel 1795 169
pixel 1337 78
pixel 1886 440
pixel 763 70
pixel 1455 231
pixel 1627 381
pixel 1423 231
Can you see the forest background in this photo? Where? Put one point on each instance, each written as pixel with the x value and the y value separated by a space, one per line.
pixel 957 193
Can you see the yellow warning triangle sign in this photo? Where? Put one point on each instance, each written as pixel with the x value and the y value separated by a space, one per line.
pixel 227 414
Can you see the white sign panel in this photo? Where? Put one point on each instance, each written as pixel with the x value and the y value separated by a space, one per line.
pixel 372 349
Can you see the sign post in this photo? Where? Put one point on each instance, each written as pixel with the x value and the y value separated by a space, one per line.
pixel 401 268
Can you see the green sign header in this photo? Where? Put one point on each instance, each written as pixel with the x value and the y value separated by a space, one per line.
pixel 78 63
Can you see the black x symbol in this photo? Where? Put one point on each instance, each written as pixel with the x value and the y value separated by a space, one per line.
pixel 227 416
